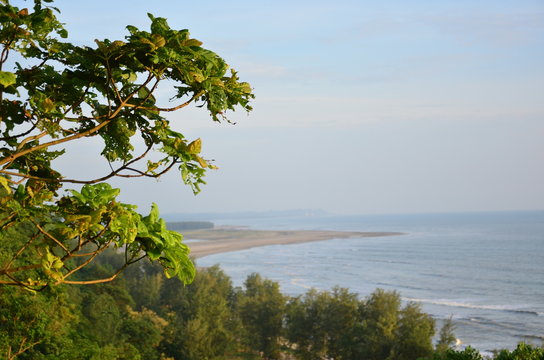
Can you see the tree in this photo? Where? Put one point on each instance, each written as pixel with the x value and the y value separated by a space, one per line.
pixel 144 330
pixel 320 324
pixel 380 315
pixel 305 324
pixel 467 354
pixel 446 336
pixel 341 322
pixel 384 330
pixel 202 324
pixel 414 334
pixel 522 352
pixel 54 93
pixel 262 308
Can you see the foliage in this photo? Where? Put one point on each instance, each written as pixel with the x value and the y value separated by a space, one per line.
pixel 261 308
pixel 522 352
pixel 321 324
pixel 202 322
pixel 413 334
pixel 337 325
pixel 144 329
pixel 305 320
pixel 379 314
pixel 28 320
pixel 54 93
pixel 209 319
pixel 468 353
pixel 446 337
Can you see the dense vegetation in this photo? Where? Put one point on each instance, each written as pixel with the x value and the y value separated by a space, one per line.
pixel 144 315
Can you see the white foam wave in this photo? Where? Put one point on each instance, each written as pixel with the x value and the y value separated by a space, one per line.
pixel 298 282
pixel 458 304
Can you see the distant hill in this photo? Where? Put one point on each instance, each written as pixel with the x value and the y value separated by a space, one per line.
pixel 243 215
pixel 189 225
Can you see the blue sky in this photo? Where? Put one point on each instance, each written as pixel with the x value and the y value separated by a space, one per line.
pixel 362 106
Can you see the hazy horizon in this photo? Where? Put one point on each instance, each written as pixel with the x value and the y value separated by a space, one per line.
pixel 361 107
pixel 317 213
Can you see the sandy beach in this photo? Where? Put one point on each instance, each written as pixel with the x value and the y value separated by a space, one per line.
pixel 220 240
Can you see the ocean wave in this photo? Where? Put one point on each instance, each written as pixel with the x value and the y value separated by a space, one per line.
pixel 387 261
pixel 502 325
pixel 400 286
pixel 298 282
pixel 532 337
pixel 435 275
pixel 504 308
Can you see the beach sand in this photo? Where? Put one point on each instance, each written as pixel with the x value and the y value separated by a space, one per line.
pixel 220 240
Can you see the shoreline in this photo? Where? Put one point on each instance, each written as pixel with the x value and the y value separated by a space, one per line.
pixel 227 239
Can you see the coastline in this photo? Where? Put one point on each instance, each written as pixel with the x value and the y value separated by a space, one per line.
pixel 227 239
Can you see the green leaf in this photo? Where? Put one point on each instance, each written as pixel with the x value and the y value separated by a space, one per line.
pixel 158 40
pixel 192 42
pixel 129 76
pixel 195 147
pixel 154 214
pixel 143 92
pixel 201 161
pixel 48 105
pixel 5 184
pixel 132 29
pixel 184 174
pixel 154 253
pixel 7 78
pixel 158 25
pixel 198 76
pixel 50 261
pixel 20 193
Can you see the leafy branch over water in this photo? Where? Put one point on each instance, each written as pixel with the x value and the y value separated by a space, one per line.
pixel 53 93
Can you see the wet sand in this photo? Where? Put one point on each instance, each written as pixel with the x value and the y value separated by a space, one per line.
pixel 220 240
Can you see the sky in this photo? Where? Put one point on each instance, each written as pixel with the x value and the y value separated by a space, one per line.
pixel 362 107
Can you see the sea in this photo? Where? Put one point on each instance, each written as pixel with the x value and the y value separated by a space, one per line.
pixel 485 271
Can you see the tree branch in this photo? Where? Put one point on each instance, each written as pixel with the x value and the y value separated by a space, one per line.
pixel 9 160
pixel 20 251
pixel 31 138
pixel 22 348
pixel 19 135
pixel 81 244
pixel 86 262
pixel 16 282
pixel 98 281
pixel 49 236
pixel 71 107
pixel 106 177
pixel 197 95
pixel 20 268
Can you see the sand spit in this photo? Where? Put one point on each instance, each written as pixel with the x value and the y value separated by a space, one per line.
pixel 220 240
